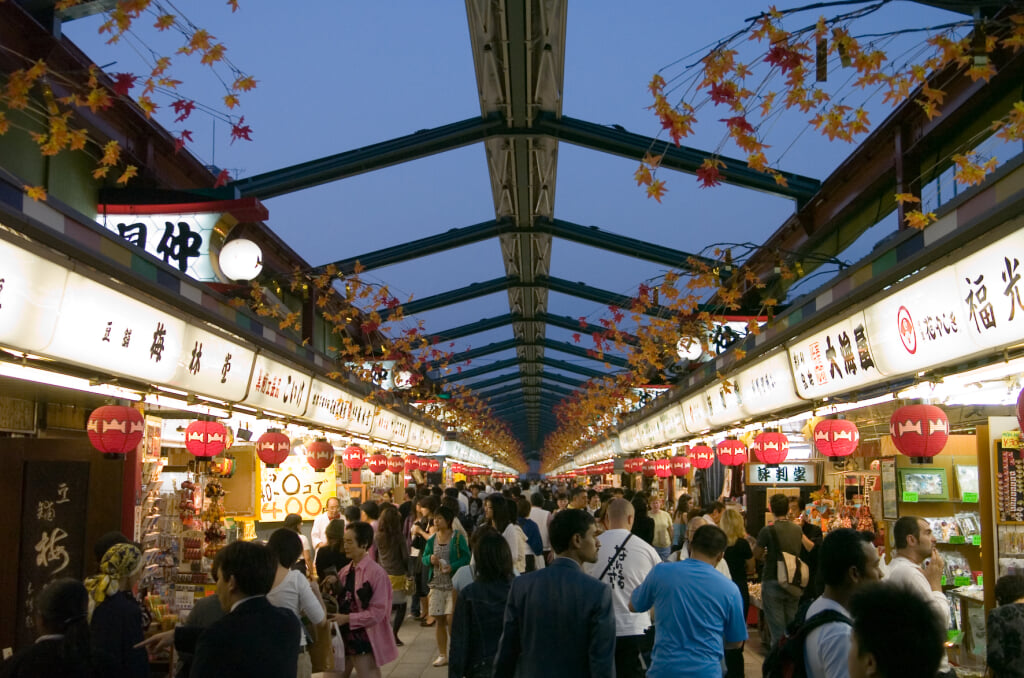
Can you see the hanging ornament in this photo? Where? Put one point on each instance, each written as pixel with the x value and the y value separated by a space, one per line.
pixel 919 431
pixel 680 466
pixel 205 439
pixel 771 447
pixel 732 452
pixel 377 463
pixel 836 437
pixel 701 456
pixel 273 447
pixel 115 430
pixel 353 457
pixel 663 468
pixel 396 464
pixel 648 468
pixel 412 463
pixel 320 454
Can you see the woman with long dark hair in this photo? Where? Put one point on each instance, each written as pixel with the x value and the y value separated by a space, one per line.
pixel 643 524
pixel 501 515
pixel 393 556
pixel 446 551
pixel 480 609
pixel 293 591
pixel 679 520
pixel 63 645
pixel 419 533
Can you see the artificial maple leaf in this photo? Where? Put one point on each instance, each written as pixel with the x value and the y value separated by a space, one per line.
pixel 738 123
pixel 918 219
pixel 1011 127
pixel 162 64
pixel 4 124
pixel 182 139
pixel 163 22
pixel 184 108
pixel 200 41
pixel 244 83
pixel 214 54
pixel 129 173
pixel 643 176
pixel 233 4
pixel 123 83
pixel 904 198
pixel 100 172
pixel 37 193
pixel 722 93
pixel 708 174
pixel 657 190
pixel 111 153
pixel 240 130
pixel 222 179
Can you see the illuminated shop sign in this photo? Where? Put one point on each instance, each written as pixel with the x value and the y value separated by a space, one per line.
pixel 783 474
pixel 834 359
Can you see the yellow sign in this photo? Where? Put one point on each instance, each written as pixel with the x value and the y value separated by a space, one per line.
pixel 294 487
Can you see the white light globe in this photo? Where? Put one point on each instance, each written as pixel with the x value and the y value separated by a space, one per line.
pixel 241 259
pixel 689 348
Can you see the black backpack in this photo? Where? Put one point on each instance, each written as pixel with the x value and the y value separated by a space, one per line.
pixel 786 660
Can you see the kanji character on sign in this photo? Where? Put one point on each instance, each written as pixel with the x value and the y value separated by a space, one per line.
pixel 181 246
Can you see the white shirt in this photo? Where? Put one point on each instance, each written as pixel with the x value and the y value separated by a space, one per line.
pixel 628 570
pixel 295 593
pixel 317 534
pixel 541 517
pixel 910 574
pixel 463 504
pixel 828 646
pixel 516 540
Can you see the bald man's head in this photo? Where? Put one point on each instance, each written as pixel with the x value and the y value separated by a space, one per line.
pixel 619 514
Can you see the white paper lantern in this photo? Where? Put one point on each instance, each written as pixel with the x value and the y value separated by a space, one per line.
pixel 241 259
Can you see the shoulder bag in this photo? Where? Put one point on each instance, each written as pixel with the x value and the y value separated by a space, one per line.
pixel 791 572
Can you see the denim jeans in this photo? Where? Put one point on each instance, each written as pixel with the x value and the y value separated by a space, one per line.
pixel 663 551
pixel 779 608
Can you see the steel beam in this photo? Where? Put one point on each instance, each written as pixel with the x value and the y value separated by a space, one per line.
pixel 507 344
pixel 477 371
pixel 482 325
pixel 472 353
pixel 494 381
pixel 573 349
pixel 618 141
pixel 485 324
pixel 541 387
pixel 450 239
pixel 472 291
pixel 419 144
pixel 502 364
pixel 574 324
pixel 562 380
pixel 526 399
pixel 620 244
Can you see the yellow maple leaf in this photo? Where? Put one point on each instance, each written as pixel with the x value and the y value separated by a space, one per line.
pixel 904 198
pixel 214 54
pixel 918 219
pixel 244 83
pixel 643 176
pixel 100 172
pixel 37 193
pixel 230 100
pixel 111 153
pixel 129 173
pixel 163 22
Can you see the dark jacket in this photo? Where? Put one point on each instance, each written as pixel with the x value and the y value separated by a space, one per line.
pixel 255 640
pixel 43 660
pixel 115 629
pixel 476 626
pixel 558 622
pixel 643 527
pixel 532 533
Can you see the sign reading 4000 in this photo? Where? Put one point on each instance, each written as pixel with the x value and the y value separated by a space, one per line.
pixel 294 487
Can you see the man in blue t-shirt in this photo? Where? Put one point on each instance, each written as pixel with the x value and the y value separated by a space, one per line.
pixel 698 612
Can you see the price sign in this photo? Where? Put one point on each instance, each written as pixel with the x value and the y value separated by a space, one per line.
pixel 910 497
pixel 961 581
pixel 976 539
pixel 294 487
pixel 970 497
pixel 957 539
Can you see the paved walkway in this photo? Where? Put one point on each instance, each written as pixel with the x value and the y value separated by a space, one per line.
pixel 414 659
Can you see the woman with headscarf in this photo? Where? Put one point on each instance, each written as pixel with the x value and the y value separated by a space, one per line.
pixel 63 646
pixel 115 621
pixel 293 522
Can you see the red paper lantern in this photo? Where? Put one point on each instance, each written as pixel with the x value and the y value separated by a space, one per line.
pixel 771 447
pixel 320 455
pixel 353 457
pixel 431 465
pixel 919 431
pixel 647 468
pixel 396 464
pixel 663 468
pixel 115 430
pixel 701 456
pixel 636 464
pixel 732 452
pixel 412 462
pixel 205 439
pixel 273 447
pixel 836 437
pixel 680 466
pixel 377 464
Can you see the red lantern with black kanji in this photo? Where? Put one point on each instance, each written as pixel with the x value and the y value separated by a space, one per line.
pixel 320 454
pixel 353 457
pixel 273 447
pixel 377 463
pixel 680 466
pixel 396 464
pixel 771 447
pixel 732 452
pixel 836 437
pixel 115 430
pixel 919 431
pixel 205 439
pixel 433 465
pixel 663 468
pixel 647 468
pixel 701 456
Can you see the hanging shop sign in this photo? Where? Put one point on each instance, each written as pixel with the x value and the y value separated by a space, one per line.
pixel 416 436
pixel 629 439
pixel 991 291
pixel 400 430
pixel 436 439
pixel 723 403
pixel 650 432
pixel 833 359
pixel 329 405
pixel 278 388
pixel 766 386
pixel 788 473
pixel 294 487
pixel 186 237
pixel 671 423
pixel 213 366
pixel 361 421
pixel 696 414
pixel 31 289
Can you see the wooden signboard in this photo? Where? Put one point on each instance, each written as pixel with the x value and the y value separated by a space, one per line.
pixel 53 522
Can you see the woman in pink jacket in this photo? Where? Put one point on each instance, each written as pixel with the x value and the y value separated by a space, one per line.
pixel 363 591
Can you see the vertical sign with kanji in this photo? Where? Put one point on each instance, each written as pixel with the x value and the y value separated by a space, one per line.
pixel 53 519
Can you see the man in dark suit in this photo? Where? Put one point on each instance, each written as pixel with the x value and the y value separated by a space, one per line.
pixel 559 620
pixel 254 639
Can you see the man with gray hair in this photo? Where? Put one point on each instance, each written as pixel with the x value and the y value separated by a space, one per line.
pixel 624 563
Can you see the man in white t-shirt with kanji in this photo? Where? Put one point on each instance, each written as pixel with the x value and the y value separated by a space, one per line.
pixel 624 561
pixel 318 533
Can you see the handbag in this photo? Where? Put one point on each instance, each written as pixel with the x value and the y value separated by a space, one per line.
pixel 337 647
pixel 321 654
pixel 791 572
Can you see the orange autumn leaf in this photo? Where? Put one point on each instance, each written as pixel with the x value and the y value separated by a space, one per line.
pixel 163 22
pixel 111 153
pixel 918 219
pixel 129 173
pixel 37 193
pixel 904 198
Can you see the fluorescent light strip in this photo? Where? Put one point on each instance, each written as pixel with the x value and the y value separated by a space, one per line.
pixel 64 381
pixel 167 401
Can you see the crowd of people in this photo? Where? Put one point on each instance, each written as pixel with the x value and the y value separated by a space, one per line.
pixel 532 580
